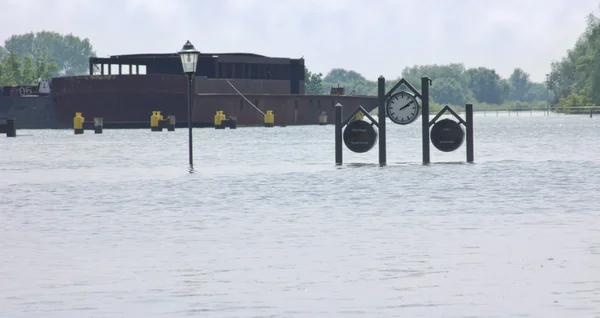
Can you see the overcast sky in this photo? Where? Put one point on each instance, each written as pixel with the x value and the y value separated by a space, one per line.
pixel 372 37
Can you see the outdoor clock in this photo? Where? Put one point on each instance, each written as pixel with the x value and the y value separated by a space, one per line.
pixel 403 108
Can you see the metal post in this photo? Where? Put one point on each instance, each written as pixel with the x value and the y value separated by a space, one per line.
pixel 190 80
pixel 381 120
pixel 425 118
pixel 547 94
pixel 11 128
pixel 469 113
pixel 338 134
pixel 591 110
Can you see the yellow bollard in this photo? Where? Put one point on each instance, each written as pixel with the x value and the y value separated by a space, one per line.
pixel 78 123
pixel 269 119
pixel 219 120
pixel 155 121
pixel 323 118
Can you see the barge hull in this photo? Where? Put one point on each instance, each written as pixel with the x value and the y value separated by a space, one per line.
pixel 124 98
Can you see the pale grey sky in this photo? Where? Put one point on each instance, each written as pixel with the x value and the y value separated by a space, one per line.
pixel 372 37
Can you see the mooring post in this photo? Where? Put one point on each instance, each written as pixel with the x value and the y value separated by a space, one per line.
pixel 425 118
pixel 469 113
pixel 338 134
pixel 381 120
pixel 98 125
pixel 591 110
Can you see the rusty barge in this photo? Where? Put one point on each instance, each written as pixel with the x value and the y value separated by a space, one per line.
pixel 128 88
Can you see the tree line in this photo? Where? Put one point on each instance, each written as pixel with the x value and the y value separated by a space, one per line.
pixel 25 58
pixel 453 84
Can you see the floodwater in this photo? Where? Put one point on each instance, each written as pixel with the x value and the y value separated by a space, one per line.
pixel 115 225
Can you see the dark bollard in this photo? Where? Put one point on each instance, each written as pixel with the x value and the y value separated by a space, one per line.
pixel 98 125
pixel 338 134
pixel 323 119
pixel 381 120
pixel 469 113
pixel 11 128
pixel 171 123
pixel 591 111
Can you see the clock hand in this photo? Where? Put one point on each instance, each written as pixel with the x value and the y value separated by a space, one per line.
pixel 405 105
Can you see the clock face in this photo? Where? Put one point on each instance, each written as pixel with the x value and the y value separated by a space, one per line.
pixel 403 108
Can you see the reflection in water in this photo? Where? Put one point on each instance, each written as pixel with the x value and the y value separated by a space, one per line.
pixel 265 224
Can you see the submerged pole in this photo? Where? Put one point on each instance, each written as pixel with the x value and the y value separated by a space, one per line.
pixel 470 151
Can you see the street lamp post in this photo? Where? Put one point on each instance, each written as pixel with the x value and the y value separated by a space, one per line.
pixel 189 60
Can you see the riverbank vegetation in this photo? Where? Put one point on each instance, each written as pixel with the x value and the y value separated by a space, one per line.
pixel 575 79
pixel 453 85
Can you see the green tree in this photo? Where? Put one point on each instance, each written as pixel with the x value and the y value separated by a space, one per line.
pixel 485 85
pixel 448 90
pixel 353 82
pixel 313 83
pixel 573 103
pixel 520 85
pixel 576 77
pixel 69 52
pixel 21 71
pixel 11 70
pixel 28 74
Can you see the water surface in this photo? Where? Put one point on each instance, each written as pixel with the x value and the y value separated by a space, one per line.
pixel 115 225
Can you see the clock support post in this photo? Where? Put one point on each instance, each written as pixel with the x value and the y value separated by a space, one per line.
pixel 425 82
pixel 381 114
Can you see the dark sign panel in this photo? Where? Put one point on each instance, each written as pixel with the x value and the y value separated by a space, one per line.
pixel 447 135
pixel 360 136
